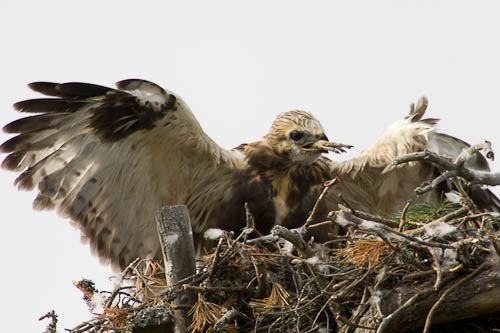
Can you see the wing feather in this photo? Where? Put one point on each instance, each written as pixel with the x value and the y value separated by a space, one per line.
pixel 370 178
pixel 109 158
pixel 76 90
pixel 372 181
pixel 48 105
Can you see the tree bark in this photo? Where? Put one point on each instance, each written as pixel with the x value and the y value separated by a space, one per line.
pixel 480 295
pixel 176 239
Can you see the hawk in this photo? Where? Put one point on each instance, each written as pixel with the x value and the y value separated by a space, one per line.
pixel 108 159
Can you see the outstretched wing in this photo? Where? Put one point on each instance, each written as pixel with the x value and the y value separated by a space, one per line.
pixel 371 179
pixel 109 158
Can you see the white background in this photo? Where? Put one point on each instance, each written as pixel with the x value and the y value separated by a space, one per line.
pixel 356 65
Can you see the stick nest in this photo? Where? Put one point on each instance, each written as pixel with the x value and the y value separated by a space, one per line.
pixel 272 283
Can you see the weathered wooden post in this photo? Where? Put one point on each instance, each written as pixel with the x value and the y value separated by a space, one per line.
pixel 176 239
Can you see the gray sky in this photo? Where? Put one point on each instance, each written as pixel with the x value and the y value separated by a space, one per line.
pixel 356 65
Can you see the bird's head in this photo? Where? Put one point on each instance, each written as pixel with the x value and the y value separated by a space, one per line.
pixel 299 137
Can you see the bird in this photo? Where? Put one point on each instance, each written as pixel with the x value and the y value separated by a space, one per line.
pixel 108 158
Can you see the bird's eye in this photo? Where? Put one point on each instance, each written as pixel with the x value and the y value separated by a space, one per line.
pixel 296 135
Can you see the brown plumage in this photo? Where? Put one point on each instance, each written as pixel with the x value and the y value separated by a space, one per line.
pixel 107 159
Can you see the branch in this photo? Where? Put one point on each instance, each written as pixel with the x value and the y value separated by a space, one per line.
pixel 228 317
pixel 52 326
pixel 344 217
pixel 327 186
pixel 466 154
pixel 454 168
pixel 367 216
pixel 293 237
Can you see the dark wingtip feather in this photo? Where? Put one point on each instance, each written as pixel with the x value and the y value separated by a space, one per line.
pixel 18 106
pixel 69 89
pixel 31 105
pixel 16 143
pixel 25 181
pixel 10 128
pixel 33 123
pixel 46 88
pixel 20 125
pixel 7 146
pixel 12 161
pixel 81 90
pixel 48 105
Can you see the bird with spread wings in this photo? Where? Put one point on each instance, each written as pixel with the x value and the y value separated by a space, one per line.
pixel 108 159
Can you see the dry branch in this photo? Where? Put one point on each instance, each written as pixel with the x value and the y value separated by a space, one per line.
pixel 52 326
pixel 454 168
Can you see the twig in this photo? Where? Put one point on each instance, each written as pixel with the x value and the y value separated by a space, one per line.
pixel 425 155
pixel 402 220
pixel 437 268
pixel 402 254
pixel 225 319
pixel 98 323
pixel 342 293
pixel 433 184
pixel 273 238
pixel 327 186
pixel 52 326
pixel 366 216
pixel 457 284
pixel 293 237
pixel 263 239
pixel 261 275
pixel 211 269
pixel 453 214
pixel 342 217
pixel 319 224
pixel 471 175
pixel 418 275
pixel 466 154
pixel 212 289
pixel 467 241
pixel 467 201
pixel 111 298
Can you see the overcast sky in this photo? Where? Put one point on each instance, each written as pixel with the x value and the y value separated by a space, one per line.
pixel 356 65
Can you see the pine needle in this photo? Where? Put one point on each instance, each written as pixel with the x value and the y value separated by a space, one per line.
pixel 363 253
pixel 424 213
pixel 278 298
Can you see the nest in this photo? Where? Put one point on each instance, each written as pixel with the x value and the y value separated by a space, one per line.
pixel 281 283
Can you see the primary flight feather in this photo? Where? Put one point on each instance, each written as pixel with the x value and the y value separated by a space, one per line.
pixel 108 159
